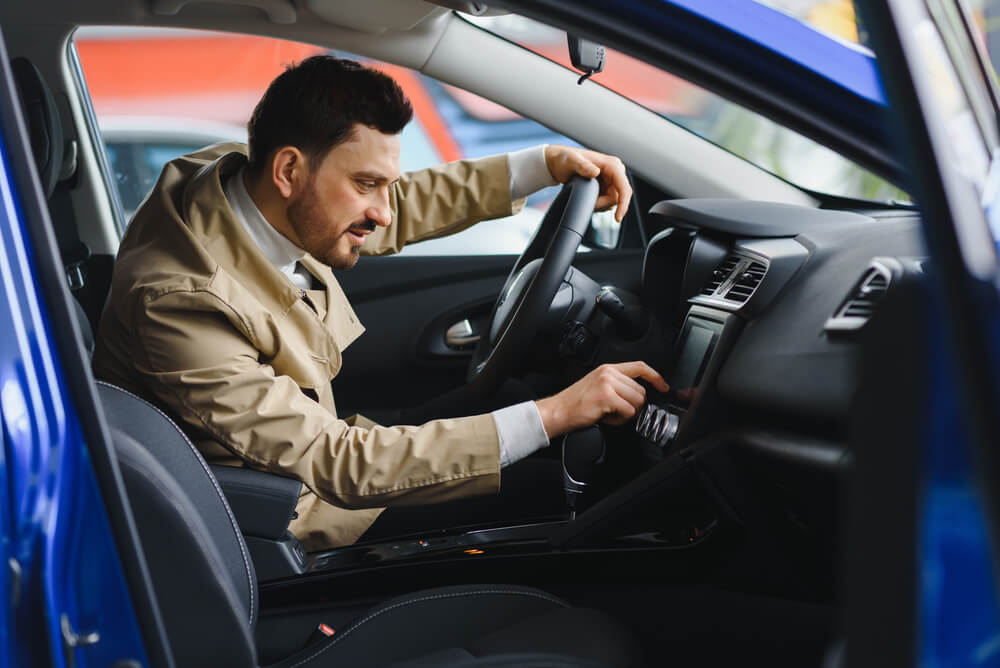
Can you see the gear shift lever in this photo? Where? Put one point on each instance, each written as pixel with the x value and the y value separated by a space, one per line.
pixel 582 451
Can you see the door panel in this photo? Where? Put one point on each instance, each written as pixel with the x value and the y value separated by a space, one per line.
pixel 946 115
pixel 406 304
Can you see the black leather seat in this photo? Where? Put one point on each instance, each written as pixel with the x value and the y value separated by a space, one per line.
pixel 206 588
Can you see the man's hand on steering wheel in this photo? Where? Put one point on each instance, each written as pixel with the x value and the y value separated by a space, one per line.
pixel 564 162
pixel 591 181
pixel 609 393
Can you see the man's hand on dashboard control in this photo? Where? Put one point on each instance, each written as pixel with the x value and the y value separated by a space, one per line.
pixel 564 162
pixel 609 393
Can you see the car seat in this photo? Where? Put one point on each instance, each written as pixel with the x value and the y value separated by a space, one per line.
pixel 206 588
pixel 56 165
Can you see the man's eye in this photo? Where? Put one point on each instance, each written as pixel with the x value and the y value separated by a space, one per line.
pixel 366 185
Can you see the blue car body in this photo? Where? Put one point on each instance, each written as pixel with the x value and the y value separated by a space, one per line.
pixel 62 574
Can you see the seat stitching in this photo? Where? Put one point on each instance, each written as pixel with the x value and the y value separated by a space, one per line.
pixel 506 592
pixel 211 478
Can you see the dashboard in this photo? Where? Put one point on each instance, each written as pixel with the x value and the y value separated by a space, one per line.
pixel 768 302
pixel 758 313
pixel 757 317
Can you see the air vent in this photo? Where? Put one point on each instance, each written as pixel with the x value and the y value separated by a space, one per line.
pixel 861 303
pixel 735 279
pixel 746 281
pixel 720 275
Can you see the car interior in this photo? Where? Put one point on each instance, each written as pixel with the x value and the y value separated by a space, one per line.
pixel 709 529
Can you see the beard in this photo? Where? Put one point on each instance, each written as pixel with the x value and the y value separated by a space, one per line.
pixel 305 215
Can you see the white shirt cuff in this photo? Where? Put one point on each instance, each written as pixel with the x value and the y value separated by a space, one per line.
pixel 521 432
pixel 528 171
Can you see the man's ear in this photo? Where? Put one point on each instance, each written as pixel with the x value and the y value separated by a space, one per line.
pixel 289 170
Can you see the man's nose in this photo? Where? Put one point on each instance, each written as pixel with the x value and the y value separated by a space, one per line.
pixel 380 211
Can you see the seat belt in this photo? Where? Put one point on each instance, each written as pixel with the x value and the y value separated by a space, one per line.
pixel 72 250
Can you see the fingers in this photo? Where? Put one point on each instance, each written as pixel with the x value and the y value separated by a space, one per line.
pixel 608 393
pixel 620 411
pixel 625 396
pixel 687 394
pixel 607 200
pixel 630 390
pixel 582 166
pixel 642 370
pixel 564 161
pixel 624 199
pixel 615 187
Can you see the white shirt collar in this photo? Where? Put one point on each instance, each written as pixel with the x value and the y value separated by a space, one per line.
pixel 281 252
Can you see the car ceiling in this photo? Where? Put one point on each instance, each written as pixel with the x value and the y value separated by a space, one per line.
pixel 367 16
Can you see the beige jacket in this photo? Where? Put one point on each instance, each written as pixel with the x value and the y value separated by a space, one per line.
pixel 200 323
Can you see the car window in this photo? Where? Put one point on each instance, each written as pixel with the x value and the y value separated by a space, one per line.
pixel 136 164
pixel 469 126
pixel 159 93
pixel 749 135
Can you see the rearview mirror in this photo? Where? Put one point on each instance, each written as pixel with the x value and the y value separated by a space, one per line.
pixel 586 56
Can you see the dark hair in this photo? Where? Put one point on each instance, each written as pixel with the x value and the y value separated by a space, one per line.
pixel 315 105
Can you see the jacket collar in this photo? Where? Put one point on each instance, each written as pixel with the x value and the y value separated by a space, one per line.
pixel 282 253
pixel 211 218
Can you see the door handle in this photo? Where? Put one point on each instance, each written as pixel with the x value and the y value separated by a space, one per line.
pixel 461 335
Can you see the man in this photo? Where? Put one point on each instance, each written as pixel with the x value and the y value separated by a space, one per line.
pixel 224 310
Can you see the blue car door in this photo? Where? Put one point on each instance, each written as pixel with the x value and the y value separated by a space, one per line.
pixel 71 578
pixel 945 99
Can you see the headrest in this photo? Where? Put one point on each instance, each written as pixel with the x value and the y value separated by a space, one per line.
pixel 42 118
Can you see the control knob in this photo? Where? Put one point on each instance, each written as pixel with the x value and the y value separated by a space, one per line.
pixel 657 425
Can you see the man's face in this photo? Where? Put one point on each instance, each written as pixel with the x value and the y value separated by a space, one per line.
pixel 346 196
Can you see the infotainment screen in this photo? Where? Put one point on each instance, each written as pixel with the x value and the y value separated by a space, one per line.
pixel 694 349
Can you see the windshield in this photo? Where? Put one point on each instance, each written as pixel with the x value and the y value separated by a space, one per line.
pixel 749 135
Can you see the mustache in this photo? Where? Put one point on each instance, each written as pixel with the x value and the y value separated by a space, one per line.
pixel 367 224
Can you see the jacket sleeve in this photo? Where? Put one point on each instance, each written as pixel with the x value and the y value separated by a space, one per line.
pixel 442 200
pixel 197 360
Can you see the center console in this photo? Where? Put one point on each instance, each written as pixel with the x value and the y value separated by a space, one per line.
pixel 660 420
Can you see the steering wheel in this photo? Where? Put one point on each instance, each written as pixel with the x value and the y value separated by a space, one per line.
pixel 531 286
